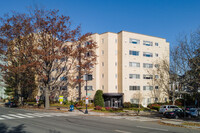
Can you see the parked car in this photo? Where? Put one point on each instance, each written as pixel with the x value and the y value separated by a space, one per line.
pixel 167 107
pixel 189 107
pixel 176 113
pixel 10 104
pixel 193 112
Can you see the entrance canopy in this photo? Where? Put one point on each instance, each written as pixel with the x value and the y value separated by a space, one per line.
pixel 113 100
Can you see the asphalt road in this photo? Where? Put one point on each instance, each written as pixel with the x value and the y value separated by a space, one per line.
pixel 14 120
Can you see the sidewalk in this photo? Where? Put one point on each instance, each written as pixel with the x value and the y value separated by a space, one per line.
pixel 181 123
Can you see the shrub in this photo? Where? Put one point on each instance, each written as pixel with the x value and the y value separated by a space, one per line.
pixel 66 102
pixel 80 103
pixel 98 108
pixel 155 106
pixel 98 98
pixel 133 105
pixel 103 109
pixel 127 105
pixel 108 108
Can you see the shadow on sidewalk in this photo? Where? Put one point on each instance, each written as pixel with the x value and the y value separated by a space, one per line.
pixel 80 110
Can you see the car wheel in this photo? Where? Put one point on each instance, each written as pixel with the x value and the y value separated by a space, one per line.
pixel 176 117
pixel 189 116
pixel 9 106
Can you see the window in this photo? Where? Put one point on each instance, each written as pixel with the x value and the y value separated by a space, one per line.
pixel 134 76
pixel 102 63
pixel 102 52
pixel 63 78
pixel 115 75
pixel 102 41
pixel 88 54
pixel 147 54
pixel 115 40
pixel 156 54
pixel 115 86
pixel 147 76
pixel 89 88
pixel 134 64
pixel 147 43
pixel 156 100
pixel 134 41
pixel 62 59
pixel 53 79
pixel 87 43
pixel 115 52
pixel 63 88
pixel 136 53
pixel 115 63
pixel 146 65
pixel 156 44
pixel 134 88
pixel 89 76
pixel 147 88
pixel 156 87
pixel 148 101
pixel 102 87
pixel 63 69
pixel 135 101
pixel 156 66
pixel 165 99
pixel 156 77
pixel 102 75
pixel 77 88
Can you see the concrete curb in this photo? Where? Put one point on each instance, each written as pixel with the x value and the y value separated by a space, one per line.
pixel 178 123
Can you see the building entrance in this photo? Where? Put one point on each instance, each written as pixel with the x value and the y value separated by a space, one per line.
pixel 113 100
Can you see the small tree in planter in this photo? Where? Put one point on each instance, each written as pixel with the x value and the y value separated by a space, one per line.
pixel 98 98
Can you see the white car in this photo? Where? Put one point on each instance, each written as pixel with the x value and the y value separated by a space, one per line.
pixel 164 108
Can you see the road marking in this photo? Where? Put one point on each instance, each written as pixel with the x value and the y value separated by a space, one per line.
pixel 7 117
pixel 120 131
pixel 2 119
pixel 153 128
pixel 37 115
pixel 13 115
pixel 23 115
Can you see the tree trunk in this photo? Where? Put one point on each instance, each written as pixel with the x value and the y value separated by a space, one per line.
pixel 174 100
pixel 47 97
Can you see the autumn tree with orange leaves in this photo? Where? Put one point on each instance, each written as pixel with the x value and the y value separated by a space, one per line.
pixel 50 48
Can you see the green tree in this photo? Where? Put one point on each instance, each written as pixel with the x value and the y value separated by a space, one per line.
pixel 98 98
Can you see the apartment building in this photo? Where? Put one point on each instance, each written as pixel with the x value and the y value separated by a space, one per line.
pixel 123 68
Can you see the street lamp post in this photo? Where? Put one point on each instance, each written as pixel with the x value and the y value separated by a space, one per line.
pixel 87 77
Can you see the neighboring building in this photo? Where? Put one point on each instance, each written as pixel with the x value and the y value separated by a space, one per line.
pixel 2 86
pixel 123 62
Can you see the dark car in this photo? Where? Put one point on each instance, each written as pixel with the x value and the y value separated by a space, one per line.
pixel 10 104
pixel 189 107
pixel 194 112
pixel 177 113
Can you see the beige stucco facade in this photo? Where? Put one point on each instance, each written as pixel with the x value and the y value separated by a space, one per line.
pixel 125 61
pixel 115 54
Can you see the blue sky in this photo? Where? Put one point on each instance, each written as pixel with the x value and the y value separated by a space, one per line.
pixel 162 18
